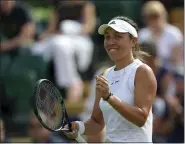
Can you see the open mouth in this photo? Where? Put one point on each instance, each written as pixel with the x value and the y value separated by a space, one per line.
pixel 113 49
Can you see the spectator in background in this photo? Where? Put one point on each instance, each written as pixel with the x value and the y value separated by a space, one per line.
pixel 67 36
pixel 164 106
pixel 160 110
pixel 167 38
pixel 7 103
pixel 17 28
pixel 39 134
pixel 2 131
pixel 81 11
pixel 164 78
pixel 76 20
pixel 3 138
pixel 177 113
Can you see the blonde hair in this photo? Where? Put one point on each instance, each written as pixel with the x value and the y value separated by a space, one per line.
pixel 154 7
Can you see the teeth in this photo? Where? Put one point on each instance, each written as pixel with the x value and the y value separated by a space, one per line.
pixel 112 50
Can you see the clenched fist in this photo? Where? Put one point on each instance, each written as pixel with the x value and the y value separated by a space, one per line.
pixel 102 86
pixel 74 133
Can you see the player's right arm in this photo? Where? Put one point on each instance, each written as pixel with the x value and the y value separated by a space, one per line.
pixel 94 125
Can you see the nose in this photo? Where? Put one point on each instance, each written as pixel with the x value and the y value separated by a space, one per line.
pixel 111 41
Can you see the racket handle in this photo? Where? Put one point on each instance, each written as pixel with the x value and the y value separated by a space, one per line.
pixel 80 139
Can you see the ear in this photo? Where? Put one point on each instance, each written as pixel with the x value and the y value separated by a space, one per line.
pixel 134 41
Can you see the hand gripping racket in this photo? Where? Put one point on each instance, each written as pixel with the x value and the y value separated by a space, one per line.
pixel 50 109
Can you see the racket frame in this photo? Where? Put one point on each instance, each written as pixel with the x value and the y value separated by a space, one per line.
pixel 64 112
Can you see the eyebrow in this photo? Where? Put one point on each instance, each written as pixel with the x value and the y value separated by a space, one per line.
pixel 116 33
pixel 106 33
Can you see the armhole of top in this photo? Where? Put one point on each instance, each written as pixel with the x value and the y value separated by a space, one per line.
pixel 131 79
pixel 106 71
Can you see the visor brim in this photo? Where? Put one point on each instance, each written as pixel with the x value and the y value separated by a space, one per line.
pixel 102 29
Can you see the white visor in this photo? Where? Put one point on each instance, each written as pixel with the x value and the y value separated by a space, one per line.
pixel 120 26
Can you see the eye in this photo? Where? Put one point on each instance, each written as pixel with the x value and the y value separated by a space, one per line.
pixel 106 37
pixel 118 36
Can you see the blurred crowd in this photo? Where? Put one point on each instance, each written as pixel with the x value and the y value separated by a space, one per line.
pixel 58 40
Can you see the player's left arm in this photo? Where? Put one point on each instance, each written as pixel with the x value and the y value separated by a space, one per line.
pixel 145 91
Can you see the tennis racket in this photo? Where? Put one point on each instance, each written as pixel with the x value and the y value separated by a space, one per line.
pixel 50 109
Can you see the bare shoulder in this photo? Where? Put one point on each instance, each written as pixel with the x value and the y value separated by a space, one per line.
pixel 144 69
pixel 145 74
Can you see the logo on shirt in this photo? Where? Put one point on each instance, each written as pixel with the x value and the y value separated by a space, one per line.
pixel 114 82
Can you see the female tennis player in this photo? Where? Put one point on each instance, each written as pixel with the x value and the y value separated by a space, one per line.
pixel 125 92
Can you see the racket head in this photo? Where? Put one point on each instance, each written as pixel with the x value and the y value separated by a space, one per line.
pixel 49 106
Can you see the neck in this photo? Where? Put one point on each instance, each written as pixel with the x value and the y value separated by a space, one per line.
pixel 126 60
pixel 158 30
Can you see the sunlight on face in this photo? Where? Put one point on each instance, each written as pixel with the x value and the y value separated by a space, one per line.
pixel 117 45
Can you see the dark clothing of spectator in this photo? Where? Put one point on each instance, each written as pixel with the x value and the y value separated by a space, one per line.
pixel 159 76
pixel 11 24
pixel 66 10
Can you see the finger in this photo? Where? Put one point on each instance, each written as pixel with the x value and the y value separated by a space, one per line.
pixel 102 83
pixel 98 87
pixel 97 77
pixel 102 77
pixel 70 135
pixel 101 89
pixel 75 126
pixel 103 80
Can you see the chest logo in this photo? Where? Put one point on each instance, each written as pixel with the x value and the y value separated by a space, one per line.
pixel 114 82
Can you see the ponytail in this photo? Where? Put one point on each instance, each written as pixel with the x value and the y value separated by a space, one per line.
pixel 138 53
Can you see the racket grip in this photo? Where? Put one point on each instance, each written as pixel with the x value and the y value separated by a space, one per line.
pixel 70 126
pixel 80 139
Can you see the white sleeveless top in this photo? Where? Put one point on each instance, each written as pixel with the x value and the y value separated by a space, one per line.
pixel 118 129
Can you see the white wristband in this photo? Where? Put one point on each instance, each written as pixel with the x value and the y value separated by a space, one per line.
pixel 81 127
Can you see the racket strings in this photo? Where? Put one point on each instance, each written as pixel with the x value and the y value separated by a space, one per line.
pixel 48 101
pixel 43 103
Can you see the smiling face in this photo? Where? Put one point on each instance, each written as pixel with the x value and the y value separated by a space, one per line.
pixel 118 45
